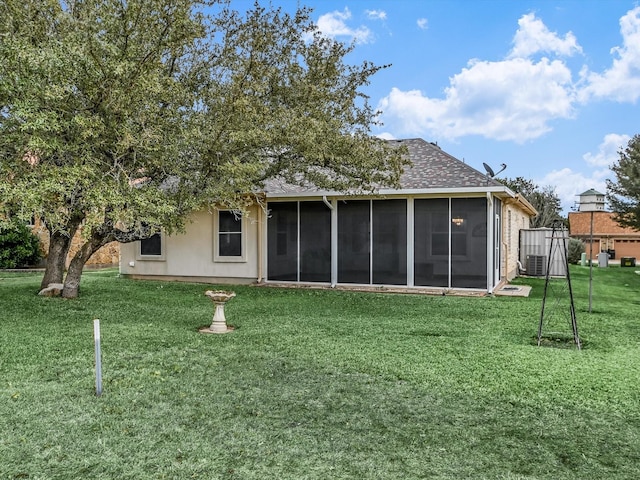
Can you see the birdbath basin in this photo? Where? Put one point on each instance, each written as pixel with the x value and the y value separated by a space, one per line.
pixel 219 323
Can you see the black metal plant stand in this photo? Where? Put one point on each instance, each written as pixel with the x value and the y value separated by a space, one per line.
pixel 554 300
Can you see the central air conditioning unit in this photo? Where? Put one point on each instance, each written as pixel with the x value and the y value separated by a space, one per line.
pixel 536 265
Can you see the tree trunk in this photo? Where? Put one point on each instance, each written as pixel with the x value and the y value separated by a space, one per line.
pixel 59 244
pixel 72 280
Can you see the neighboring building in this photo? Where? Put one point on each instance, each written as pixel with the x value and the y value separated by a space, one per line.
pixel 448 226
pixel 608 236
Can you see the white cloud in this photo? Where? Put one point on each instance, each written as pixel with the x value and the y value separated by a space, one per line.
pixel 569 184
pixel 507 100
pixel 386 136
pixel 621 82
pixel 514 99
pixel 423 23
pixel 334 24
pixel 533 37
pixel 608 150
pixel 376 14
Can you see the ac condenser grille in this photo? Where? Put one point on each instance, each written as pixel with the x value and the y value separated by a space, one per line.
pixel 536 265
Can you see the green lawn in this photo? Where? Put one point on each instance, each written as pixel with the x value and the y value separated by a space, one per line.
pixel 316 384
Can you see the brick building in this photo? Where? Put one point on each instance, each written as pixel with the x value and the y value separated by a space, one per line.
pixel 608 236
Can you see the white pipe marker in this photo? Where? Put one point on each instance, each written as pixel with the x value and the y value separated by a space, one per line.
pixel 96 337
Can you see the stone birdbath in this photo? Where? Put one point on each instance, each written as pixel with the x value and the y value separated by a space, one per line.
pixel 219 324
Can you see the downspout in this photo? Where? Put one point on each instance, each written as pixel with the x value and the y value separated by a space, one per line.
pixel 327 203
pixel 334 240
pixel 261 218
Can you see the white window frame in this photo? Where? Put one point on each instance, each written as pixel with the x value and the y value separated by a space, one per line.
pixel 153 258
pixel 242 258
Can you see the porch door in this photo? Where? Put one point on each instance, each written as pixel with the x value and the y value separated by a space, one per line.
pixel 497 241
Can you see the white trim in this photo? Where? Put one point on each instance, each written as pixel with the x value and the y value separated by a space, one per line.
pixel 334 242
pixel 491 232
pixel 411 243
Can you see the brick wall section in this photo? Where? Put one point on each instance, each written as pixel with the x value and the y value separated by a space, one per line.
pixel 107 255
pixel 514 219
pixel 607 234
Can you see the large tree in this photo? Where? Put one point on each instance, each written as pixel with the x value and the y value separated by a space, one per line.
pixel 623 194
pixel 124 116
pixel 544 200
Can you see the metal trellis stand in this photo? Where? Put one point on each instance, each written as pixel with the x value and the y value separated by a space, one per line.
pixel 559 245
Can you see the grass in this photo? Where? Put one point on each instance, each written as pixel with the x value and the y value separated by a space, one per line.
pixel 316 384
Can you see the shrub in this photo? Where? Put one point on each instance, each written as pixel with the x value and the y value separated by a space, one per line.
pixel 19 247
pixel 575 250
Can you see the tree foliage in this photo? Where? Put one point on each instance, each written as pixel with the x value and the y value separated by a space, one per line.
pixel 575 249
pixel 126 116
pixel 544 200
pixel 19 247
pixel 623 194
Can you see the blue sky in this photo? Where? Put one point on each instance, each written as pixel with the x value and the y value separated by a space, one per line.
pixel 550 88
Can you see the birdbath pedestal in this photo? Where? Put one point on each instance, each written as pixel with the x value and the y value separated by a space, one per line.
pixel 219 324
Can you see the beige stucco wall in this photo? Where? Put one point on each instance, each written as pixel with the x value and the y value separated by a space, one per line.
pixel 191 255
pixel 514 219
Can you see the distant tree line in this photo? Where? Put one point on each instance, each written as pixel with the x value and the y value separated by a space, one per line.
pixel 623 194
pixel 544 200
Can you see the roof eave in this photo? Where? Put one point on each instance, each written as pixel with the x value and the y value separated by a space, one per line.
pixel 500 190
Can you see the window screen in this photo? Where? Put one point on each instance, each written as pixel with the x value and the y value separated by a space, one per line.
pixel 469 243
pixel 315 242
pixel 282 240
pixel 354 241
pixel 390 242
pixel 431 242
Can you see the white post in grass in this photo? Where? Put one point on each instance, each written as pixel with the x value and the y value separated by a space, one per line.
pixel 96 337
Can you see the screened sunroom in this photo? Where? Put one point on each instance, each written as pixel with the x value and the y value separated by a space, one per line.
pixel 446 242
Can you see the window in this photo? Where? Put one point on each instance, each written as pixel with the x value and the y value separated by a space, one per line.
pixel 151 248
pixel 229 239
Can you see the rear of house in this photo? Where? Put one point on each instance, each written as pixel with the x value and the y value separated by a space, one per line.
pixel 448 226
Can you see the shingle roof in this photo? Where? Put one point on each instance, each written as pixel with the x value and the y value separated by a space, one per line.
pixel 591 191
pixel 434 168
pixel 431 167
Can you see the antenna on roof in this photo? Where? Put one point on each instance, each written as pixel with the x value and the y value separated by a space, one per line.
pixel 490 171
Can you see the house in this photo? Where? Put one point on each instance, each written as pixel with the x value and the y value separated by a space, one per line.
pixel 591 221
pixel 608 236
pixel 447 226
